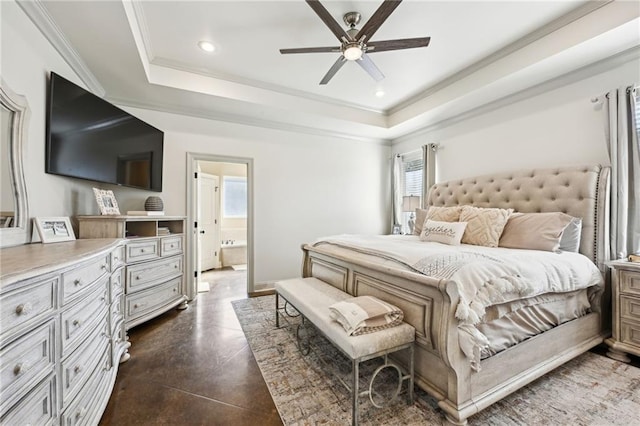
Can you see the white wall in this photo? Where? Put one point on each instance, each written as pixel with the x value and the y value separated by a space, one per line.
pixel 305 186
pixel 560 127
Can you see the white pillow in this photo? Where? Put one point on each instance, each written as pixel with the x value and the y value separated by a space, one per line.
pixel 443 232
pixel 570 239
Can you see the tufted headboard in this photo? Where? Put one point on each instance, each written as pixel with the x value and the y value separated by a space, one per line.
pixel 578 191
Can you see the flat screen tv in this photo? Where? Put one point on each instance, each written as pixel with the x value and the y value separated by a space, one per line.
pixel 89 138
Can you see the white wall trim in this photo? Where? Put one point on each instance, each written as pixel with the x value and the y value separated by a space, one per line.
pixel 587 71
pixel 541 32
pixel 143 29
pixel 242 120
pixel 180 66
pixel 38 14
pixel 191 240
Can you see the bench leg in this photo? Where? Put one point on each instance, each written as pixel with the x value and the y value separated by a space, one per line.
pixel 355 364
pixel 277 311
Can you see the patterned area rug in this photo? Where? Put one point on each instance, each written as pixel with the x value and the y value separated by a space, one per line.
pixel 589 390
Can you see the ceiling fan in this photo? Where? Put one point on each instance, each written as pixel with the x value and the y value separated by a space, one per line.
pixel 355 44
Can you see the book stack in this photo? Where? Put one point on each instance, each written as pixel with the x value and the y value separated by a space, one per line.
pixel 163 230
pixel 634 257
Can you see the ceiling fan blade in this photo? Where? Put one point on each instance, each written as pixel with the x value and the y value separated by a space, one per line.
pixel 405 43
pixel 378 18
pixel 333 70
pixel 371 68
pixel 310 50
pixel 328 20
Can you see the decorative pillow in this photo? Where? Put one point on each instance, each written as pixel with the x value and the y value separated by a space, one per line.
pixel 421 216
pixel 534 231
pixel 570 240
pixel 443 232
pixel 444 214
pixel 484 225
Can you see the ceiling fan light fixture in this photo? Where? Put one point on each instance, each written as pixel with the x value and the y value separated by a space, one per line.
pixel 352 52
pixel 207 46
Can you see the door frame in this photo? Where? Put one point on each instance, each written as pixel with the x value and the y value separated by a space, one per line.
pixel 192 241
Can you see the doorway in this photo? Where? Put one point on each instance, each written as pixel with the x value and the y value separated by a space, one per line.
pixel 220 219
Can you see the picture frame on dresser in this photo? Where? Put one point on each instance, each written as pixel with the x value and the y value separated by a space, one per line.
pixel 106 201
pixel 54 229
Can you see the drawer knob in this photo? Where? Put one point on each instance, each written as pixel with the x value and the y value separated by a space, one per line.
pixel 135 306
pixel 116 258
pixel 23 308
pixel 77 369
pixel 76 282
pixel 137 277
pixel 104 267
pixel 172 246
pixel 18 369
pixel 76 323
pixel 81 413
pixel 174 290
pixel 141 250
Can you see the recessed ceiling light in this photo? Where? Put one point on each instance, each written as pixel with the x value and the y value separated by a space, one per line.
pixel 379 93
pixel 207 46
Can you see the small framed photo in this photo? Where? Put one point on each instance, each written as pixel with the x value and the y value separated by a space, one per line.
pixel 54 229
pixel 106 201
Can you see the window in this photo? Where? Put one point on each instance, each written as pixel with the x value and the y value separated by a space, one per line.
pixel 234 197
pixel 413 169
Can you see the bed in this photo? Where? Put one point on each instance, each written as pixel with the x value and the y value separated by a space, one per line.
pixel 443 368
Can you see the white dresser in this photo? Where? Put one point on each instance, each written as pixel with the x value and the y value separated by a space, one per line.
pixel 625 292
pixel 62 330
pixel 154 261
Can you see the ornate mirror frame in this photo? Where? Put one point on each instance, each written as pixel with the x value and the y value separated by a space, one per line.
pixel 18 106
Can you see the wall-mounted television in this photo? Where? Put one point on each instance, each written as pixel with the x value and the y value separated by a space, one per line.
pixel 89 138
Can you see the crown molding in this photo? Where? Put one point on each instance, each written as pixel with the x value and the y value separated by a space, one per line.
pixel 536 35
pixel 181 66
pixel 143 28
pixel 576 75
pixel 242 120
pixel 39 15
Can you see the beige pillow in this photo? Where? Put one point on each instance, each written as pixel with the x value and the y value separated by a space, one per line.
pixel 421 216
pixel 443 232
pixel 484 225
pixel 444 214
pixel 535 231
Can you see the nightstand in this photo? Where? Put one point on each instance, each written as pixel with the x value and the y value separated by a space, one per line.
pixel 625 295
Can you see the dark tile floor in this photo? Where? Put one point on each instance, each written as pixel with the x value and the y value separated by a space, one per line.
pixel 193 367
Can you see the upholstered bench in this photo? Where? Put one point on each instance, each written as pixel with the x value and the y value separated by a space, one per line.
pixel 312 297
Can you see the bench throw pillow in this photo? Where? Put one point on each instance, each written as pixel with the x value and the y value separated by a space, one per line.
pixel 365 314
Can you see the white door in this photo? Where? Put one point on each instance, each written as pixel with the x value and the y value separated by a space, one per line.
pixel 208 223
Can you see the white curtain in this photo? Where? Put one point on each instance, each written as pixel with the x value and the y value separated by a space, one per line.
pixel 397 191
pixel 622 144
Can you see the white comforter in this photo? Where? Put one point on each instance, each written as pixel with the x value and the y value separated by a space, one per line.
pixel 484 276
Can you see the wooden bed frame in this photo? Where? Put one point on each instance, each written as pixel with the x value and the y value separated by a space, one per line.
pixel 429 304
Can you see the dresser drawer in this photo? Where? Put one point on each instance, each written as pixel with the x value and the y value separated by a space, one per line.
pixel 38 408
pixel 118 257
pixel 630 307
pixel 79 279
pixel 170 246
pixel 27 303
pixel 148 274
pixel 630 333
pixel 84 409
pixel 142 250
pixel 146 301
pixel 25 361
pixel 629 282
pixel 81 318
pixel 77 368
pixel 117 284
